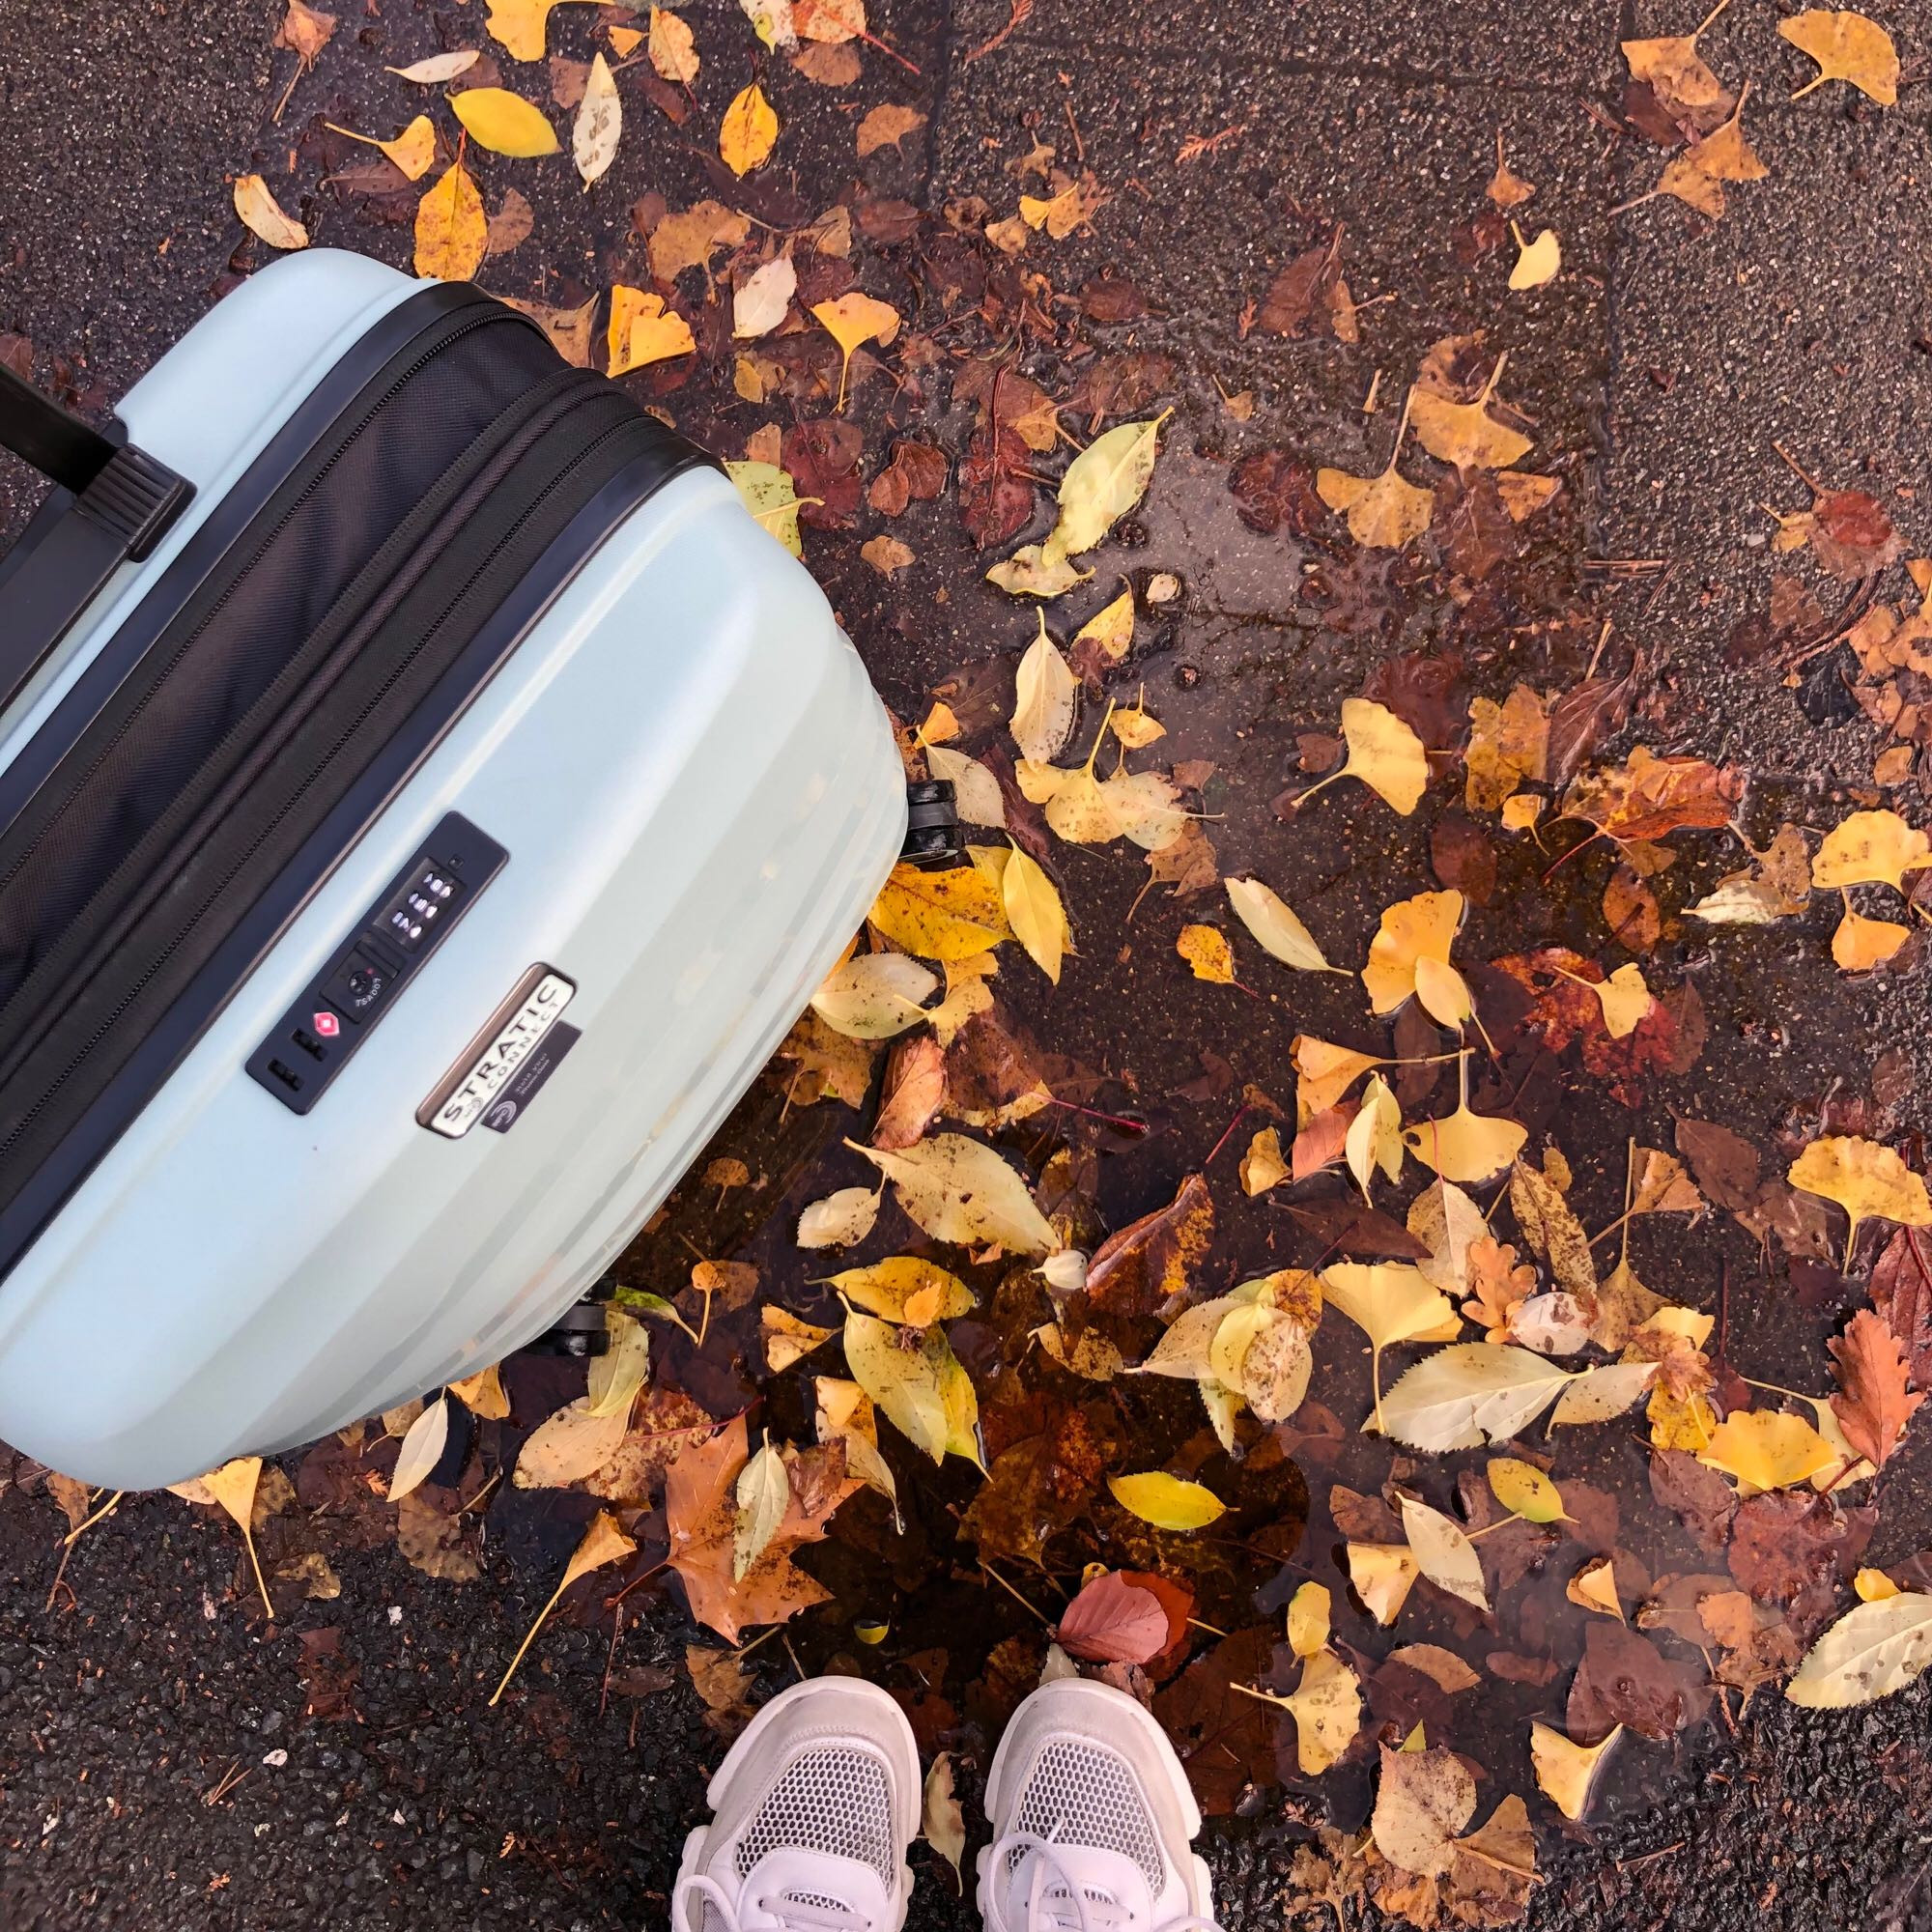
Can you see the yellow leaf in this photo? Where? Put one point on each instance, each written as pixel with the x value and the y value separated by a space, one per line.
pixel 1326 1705
pixel 233 1486
pixel 1308 1619
pixel 1872 1651
pixel 747 131
pixel 1045 692
pixel 1466 433
pixel 1594 1587
pixel 452 232
pixel 1765 1449
pixel 1476 1391
pixel 789 1339
pixel 1424 1799
pixel 1866 1179
pixel 1111 629
pixel 769 494
pixel 1859 944
pixel 518 26
pixel 1137 727
pixel 1564 1771
pixel 411 151
pixel 505 123
pixel 1037 570
pixel 599 122
pixel 852 320
pixel 1384 511
pixel 1103 483
pixel 1508 742
pixel 1168 1502
pixel 618 1373
pixel 1263 1166
pixel 959 1190
pixel 1873 1586
pixel 1323 1073
pixel 1443 993
pixel 437 69
pixel 603 1543
pixel 1374 1139
pixel 1383 752
pixel 1208 951
pixel 1413 929
pixel 625 41
pixel 916 1382
pixel 1847 46
pixel 567 1446
pixel 262 214
pixel 1525 1490
pixel 1273 922
pixel 1382 1574
pixel 844 1413
pixel 1674 70
pixel 644 330
pixel 1466 1147
pixel 1871 848
pixel 1035 912
pixel 1536 262
pixel 907 1290
pixel 1524 494
pixel 1522 812
pixel 763 1494
pixel 482 1393
pixel 947 916
pixel 1697 175
pixel 1680 1425
pixel 1390 1302
pixel 1443 1552
pixel 874 996
pixel 673 52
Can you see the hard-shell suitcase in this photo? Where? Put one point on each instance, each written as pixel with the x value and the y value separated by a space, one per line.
pixel 426 797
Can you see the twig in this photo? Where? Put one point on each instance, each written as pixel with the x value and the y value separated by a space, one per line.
pixel 1022 11
pixel 1014 1593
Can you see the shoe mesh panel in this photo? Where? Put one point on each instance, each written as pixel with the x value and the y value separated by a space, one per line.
pixel 1080 1795
pixel 832 1799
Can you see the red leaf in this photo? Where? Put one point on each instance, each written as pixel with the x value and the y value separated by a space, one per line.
pixel 1872 1406
pixel 1901 1291
pixel 1113 1621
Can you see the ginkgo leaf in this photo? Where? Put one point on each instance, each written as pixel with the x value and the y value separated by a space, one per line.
pixel 1536 262
pixel 262 214
pixel 954 915
pixel 844 1414
pixel 671 49
pixel 906 1289
pixel 1323 1073
pixel 1263 1166
pixel 1136 728
pixel 1207 950
pixel 1273 922
pixel 1594 1587
pixel 840 1219
pixel 915 1381
pixel 1525 1490
pixel 1768 1449
pixel 788 1339
pixel 1390 1302
pixel 1870 848
pixel 1045 693
pixel 1564 1771
pixel 482 1393
pixel 749 132
pixel 1859 944
pixel 1866 1179
pixel 603 1543
pixel 1625 1000
pixel 517 25
pixel 1383 752
pixel 1035 912
pixel 505 123
pixel 1085 810
pixel 643 329
pixel 1466 1147
pixel 1308 1619
pixel 1466 433
pixel 770 497
pixel 874 996
pixel 1696 177
pixel 422 1451
pixel 437 68
pixel 233 1487
pixel 1374 1139
pixel 1168 1502
pixel 1675 72
pixel 1462 1397
pixel 1326 1705
pixel 959 1190
pixel 1847 46
pixel 1384 511
pixel 772 21
pixel 1443 1552
pixel 599 124
pixel 411 151
pixel 1871 1652
pixel 1382 1574
pixel 852 320
pixel 762 1494
pixel 1103 483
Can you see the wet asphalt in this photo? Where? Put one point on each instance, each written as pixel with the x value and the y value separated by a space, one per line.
pixel 144 1709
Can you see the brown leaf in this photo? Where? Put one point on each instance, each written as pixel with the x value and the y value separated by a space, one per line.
pixel 1872 1406
pixel 1630 911
pixel 1649 797
pixel 1901 1291
pixel 1702 1499
pixel 1275 491
pixel 1300 289
pixel 327 1676
pixel 1784 1541
pixel 915 1088
pixel 1344 1224
pixel 1625 1678
pixel 1226 1741
pixel 1137 1269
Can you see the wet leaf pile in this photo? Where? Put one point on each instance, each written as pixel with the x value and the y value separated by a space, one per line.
pixel 1433 1406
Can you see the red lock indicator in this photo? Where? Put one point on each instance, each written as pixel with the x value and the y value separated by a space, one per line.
pixel 325 1023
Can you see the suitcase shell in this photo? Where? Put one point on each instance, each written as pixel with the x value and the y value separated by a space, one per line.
pixel 699 796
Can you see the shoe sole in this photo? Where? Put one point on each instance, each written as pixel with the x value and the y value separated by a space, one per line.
pixel 826 1692
pixel 1114 1707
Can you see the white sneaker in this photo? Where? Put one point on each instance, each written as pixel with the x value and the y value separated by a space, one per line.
pixel 1092 1821
pixel 814 1806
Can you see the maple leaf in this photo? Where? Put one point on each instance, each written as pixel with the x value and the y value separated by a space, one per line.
pixel 702 1518
pixel 1872 1405
pixel 1496 1285
pixel 1649 797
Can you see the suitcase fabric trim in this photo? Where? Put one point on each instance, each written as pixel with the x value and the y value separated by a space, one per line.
pixel 270 695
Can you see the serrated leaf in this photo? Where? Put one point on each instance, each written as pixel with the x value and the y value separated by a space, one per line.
pixel 1871 1652
pixel 838 1220
pixel 961 1191
pixel 1462 1397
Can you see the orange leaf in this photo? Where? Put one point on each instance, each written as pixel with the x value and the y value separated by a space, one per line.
pixel 1872 1405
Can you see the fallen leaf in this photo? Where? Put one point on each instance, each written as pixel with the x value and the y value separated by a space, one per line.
pixel 1146 1263
pixel 1390 1302
pixel 1326 1705
pixel 1525 1490
pixel 1464 1146
pixel 1103 483
pixel 950 916
pixel 1384 511
pixel 1871 848
pixel 874 996
pixel 1443 1552
pixel 505 123
pixel 942 1823
pixel 749 132
pixel 1497 1284
pixel 1504 189
pixel 517 25
pixel 422 1451
pixel 788 1339
pixel 1274 923
pixel 1035 912
pixel 887 125
pixel 1046 695
pixel 1113 1621
pixel 888 556
pixel 1767 1449
pixel 1537 261
pixel 768 493
pixel 1847 46
pixel 1864 1177
pixel 1650 797
pixel 1411 931
pixel 602 1542
pixel 959 1190
pixel 1675 72
pixel 1859 944
pixel 599 124
pixel 1424 1799
pixel 671 49
pixel 1594 1587
pixel 1461 1397
pixel 1871 1652
pixel 1466 433
pixel 1262 1166
pixel 852 320
pixel 1697 175
pixel 1383 752
pixel 1207 953
pixel 904 1288
pixel 840 1220
pixel 262 214
pixel 1168 1502
pixel 644 330
pixel 1872 1405
pixel 1564 1771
